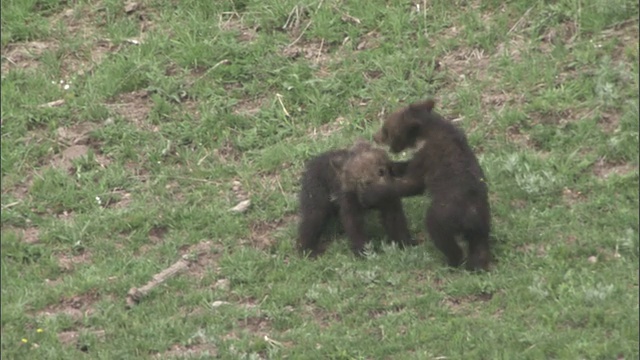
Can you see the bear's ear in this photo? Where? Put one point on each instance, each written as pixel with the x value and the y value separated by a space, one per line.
pixel 426 105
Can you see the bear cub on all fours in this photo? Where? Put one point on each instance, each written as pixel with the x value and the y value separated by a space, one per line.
pixel 332 185
pixel 446 167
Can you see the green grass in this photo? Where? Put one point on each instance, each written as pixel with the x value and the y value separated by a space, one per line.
pixel 217 91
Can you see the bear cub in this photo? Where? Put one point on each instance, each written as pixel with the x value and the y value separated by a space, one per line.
pixel 447 169
pixel 332 186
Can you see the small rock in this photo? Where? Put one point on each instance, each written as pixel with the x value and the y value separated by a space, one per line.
pixel 242 206
pixel 130 7
pixel 219 303
pixel 592 259
pixel 222 284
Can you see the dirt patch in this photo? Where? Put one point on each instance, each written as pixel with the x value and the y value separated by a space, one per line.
pixel 249 107
pixel 609 122
pixel 78 134
pixel 227 152
pixel 378 313
pixel 25 55
pixel 270 180
pixel 82 63
pixel 261 236
pixel 358 102
pixel 230 86
pixel 370 40
pixel 259 325
pixel 222 285
pixel 67 262
pixel 516 136
pixel 248 302
pixel 64 215
pixel 19 191
pixel 627 36
pixel 316 51
pixel 65 159
pixel 438 283
pixel 449 33
pixel 76 307
pixel 564 33
pixel 238 191
pixel 371 75
pixel 191 107
pixel 78 142
pixel 157 233
pixel 188 351
pixel 68 337
pixel 31 235
pixel 519 204
pixel 208 260
pixel 83 22
pixel 117 199
pixel 571 197
pixel 537 249
pixel 138 171
pixel 328 129
pixel 322 71
pixel 559 116
pixel 603 168
pixel 154 240
pixel 235 22
pixel 427 279
pixel 78 23
pixel 325 319
pixel 135 107
pixel 72 338
pixel 466 63
pixel 513 48
pixel 496 98
pixel 461 304
pixel 608 254
pixel 176 191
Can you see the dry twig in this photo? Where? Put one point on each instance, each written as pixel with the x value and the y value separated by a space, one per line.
pixel 134 295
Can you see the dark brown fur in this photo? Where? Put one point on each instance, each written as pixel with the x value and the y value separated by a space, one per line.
pixel 332 184
pixel 446 167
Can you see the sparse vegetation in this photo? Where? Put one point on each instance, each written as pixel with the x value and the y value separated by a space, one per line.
pixel 129 129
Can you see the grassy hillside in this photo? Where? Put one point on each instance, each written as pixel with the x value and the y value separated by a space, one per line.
pixel 129 129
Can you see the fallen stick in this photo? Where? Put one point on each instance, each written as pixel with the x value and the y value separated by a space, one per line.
pixel 134 295
pixel 53 103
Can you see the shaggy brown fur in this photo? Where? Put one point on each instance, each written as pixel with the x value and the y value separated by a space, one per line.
pixel 446 167
pixel 332 185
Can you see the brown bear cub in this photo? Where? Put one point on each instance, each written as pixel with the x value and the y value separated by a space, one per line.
pixel 332 185
pixel 445 166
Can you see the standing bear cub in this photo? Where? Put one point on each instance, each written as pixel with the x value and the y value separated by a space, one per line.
pixel 445 166
pixel 332 186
